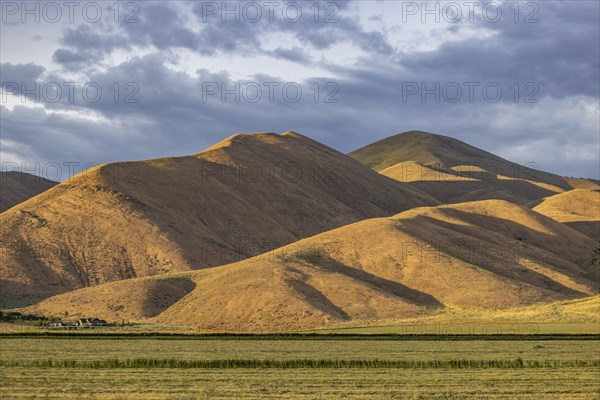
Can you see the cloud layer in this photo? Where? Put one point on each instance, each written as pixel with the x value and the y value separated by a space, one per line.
pixel 175 79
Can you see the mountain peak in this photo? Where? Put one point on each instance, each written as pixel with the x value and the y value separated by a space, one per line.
pixel 439 165
pixel 419 146
pixel 246 195
pixel 239 137
pixel 293 134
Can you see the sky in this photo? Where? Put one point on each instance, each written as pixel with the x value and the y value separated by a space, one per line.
pixel 84 83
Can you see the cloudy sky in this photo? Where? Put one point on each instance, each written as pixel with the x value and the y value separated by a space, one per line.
pixel 94 82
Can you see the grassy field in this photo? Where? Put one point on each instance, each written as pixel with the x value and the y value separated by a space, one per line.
pixel 154 368
pixel 475 328
pixel 380 383
pixel 31 349
pixel 463 327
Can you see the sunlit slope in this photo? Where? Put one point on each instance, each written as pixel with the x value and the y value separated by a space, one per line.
pixel 489 255
pixel 584 309
pixel 16 187
pixel 582 183
pixel 244 196
pixel 411 171
pixel 453 171
pixel 579 209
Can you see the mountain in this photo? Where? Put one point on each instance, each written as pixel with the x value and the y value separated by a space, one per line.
pixel 243 196
pixel 453 171
pixel 484 255
pixel 578 208
pixel 16 187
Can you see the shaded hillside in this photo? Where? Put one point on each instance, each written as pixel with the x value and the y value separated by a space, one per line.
pixel 16 187
pixel 453 171
pixel 579 209
pixel 244 196
pixel 490 255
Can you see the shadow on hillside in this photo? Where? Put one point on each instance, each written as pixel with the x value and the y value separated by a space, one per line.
pixel 42 284
pixel 588 228
pixel 315 298
pixel 164 293
pixel 392 287
pixel 498 245
pixel 17 294
pixel 461 191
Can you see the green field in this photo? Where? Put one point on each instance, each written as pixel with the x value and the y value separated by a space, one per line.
pixel 76 367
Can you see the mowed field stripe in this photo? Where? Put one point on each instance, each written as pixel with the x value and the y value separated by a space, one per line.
pixel 300 363
pixel 150 384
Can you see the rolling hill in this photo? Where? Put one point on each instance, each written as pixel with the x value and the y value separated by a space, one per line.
pixel 578 208
pixel 16 187
pixel 243 196
pixel 453 171
pixel 484 255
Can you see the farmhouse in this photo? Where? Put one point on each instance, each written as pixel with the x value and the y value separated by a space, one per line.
pixel 90 322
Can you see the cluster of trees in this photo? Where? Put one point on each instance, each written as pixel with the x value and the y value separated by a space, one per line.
pixel 12 316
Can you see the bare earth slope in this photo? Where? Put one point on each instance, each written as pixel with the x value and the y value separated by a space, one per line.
pixel 243 196
pixel 578 208
pixel 489 255
pixel 453 171
pixel 16 187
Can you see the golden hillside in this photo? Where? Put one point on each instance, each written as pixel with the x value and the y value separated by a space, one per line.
pixel 580 183
pixel 453 171
pixel 486 255
pixel 16 187
pixel 578 208
pixel 242 197
pixel 412 171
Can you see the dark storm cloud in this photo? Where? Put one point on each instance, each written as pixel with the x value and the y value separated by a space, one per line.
pixel 58 146
pixel 295 54
pixel 334 26
pixel 70 59
pixel 84 37
pixel 158 24
pixel 163 25
pixel 20 72
pixel 87 45
pixel 557 53
pixel 185 123
pixel 560 53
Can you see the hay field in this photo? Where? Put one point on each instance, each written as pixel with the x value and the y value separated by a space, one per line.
pixel 144 368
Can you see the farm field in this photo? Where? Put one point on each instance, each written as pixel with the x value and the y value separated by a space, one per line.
pixel 32 368
pixel 472 328
pixel 380 383
pixel 73 348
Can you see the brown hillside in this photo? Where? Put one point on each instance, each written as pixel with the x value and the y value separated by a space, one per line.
pixel 244 196
pixel 581 183
pixel 579 209
pixel 435 163
pixel 490 255
pixel 16 187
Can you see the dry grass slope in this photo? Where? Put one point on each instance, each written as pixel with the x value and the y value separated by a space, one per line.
pixel 487 255
pixel 244 196
pixel 578 208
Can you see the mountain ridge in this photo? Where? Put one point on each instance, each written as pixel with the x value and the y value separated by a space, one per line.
pixel 453 171
pixel 249 194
